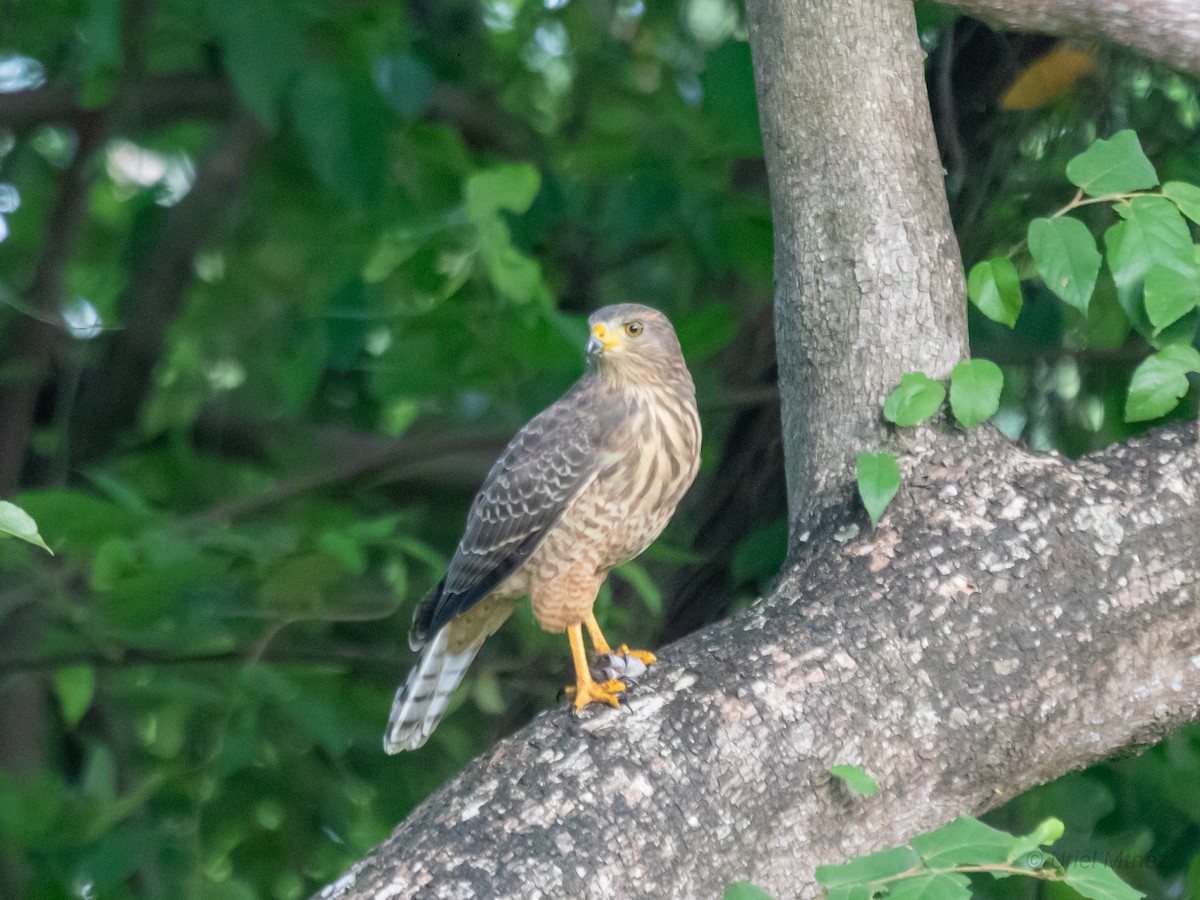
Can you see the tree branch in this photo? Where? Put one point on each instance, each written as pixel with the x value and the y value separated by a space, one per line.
pixel 1015 617
pixel 32 349
pixel 111 395
pixel 149 103
pixel 1164 30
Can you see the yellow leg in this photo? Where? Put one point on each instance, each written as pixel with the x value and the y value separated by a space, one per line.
pixel 596 635
pixel 601 644
pixel 587 690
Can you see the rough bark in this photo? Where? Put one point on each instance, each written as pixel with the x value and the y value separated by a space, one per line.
pixel 1014 617
pixel 868 279
pixel 1165 30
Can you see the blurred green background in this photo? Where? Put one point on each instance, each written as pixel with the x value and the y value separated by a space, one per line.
pixel 279 278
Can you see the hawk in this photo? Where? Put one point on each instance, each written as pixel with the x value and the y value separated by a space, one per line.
pixel 587 485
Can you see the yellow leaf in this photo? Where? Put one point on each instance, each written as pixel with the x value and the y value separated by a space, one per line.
pixel 1049 77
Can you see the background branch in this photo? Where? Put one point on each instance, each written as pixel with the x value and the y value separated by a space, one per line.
pixel 1164 30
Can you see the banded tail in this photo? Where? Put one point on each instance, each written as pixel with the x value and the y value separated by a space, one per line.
pixel 422 699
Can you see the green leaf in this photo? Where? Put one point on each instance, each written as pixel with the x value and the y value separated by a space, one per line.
pixel 1115 166
pixel 1169 296
pixel 76 686
pixel 856 779
pixel 512 272
pixel 865 869
pixel 744 890
pixel 995 288
pixel 262 47
pixel 1066 257
pixel 916 399
pixel 1152 233
pixel 1185 196
pixel 975 387
pixel 341 127
pixel 1099 882
pixel 932 886
pixel 878 481
pixel 1159 382
pixel 510 187
pixel 18 523
pixel 964 842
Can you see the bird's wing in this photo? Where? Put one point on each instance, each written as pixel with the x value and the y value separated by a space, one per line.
pixel 544 468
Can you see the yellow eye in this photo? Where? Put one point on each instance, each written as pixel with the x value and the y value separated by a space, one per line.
pixel 634 329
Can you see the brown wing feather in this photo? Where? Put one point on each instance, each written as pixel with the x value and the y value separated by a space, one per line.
pixel 546 466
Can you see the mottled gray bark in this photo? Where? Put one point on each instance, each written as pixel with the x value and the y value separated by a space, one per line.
pixel 1165 30
pixel 1014 617
pixel 869 284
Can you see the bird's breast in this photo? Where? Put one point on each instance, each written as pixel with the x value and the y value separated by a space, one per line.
pixel 656 454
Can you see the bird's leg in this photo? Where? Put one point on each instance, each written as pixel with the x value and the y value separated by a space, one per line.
pixel 601 645
pixel 596 635
pixel 587 689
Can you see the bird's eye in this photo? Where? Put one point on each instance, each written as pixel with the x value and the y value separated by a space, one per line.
pixel 634 329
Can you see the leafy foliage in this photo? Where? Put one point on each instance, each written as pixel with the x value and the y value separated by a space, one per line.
pixel 326 258
pixel 1149 253
pixel 939 865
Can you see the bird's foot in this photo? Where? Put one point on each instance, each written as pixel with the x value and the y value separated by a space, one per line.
pixel 645 657
pixel 596 692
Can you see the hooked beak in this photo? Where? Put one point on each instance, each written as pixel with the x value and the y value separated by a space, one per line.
pixel 600 340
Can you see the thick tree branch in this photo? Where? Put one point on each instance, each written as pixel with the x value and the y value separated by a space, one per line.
pixel 1165 30
pixel 1015 617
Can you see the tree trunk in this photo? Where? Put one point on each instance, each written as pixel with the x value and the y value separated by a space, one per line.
pixel 1015 617
pixel 868 277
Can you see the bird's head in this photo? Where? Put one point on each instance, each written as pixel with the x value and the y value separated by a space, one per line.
pixel 633 342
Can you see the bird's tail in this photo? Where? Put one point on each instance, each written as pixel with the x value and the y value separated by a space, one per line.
pixel 422 699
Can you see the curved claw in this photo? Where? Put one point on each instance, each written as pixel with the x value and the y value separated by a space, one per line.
pixel 644 656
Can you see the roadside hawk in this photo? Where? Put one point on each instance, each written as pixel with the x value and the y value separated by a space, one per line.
pixel 587 485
